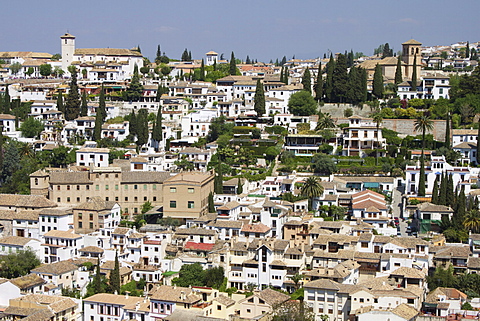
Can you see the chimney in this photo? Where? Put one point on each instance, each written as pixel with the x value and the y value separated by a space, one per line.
pixel 126 294
pixel 303 247
pixel 182 295
pixel 292 243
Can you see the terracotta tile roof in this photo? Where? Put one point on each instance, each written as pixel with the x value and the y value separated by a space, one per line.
pixel 225 300
pixel 199 246
pixel 56 268
pixel 107 52
pixel 113 299
pixel 194 231
pixel 271 297
pixel 410 273
pixel 70 178
pixel 429 207
pixel 27 215
pixel 27 281
pixel 226 224
pixel 92 249
pixel 405 311
pixel 95 203
pixel 144 177
pixel 175 294
pixel 255 228
pixel 121 230
pixel 63 234
pixel 15 240
pixel 27 201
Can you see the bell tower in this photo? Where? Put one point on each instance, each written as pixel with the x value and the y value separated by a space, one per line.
pixel 68 50
pixel 410 52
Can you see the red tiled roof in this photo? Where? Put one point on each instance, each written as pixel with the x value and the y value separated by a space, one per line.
pixel 199 246
pixel 255 228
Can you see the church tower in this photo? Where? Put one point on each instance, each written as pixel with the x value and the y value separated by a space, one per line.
pixel 68 50
pixel 410 52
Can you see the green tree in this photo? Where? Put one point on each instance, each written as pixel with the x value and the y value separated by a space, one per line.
pixel 147 206
pixel 72 104
pixel 218 181
pixel 213 277
pixel 239 186
pixel 97 281
pixel 293 310
pixel 135 89
pixel 259 99
pixel 447 131
pixel 115 276
pixel 319 84
pixel 132 124
pixel 84 105
pixel 15 68
pixel 29 72
pixel 286 73
pixel 378 82
pixel 311 188
pixel 414 73
pixel 17 264
pixel 45 70
pixel 398 71
pixel 211 204
pixel 377 119
pixel 102 110
pixel 31 127
pixel 435 191
pixel 329 80
pixel 472 221
pixel 202 71
pixel 97 130
pixel 442 195
pixel 387 52
pixel 60 106
pixel 302 104
pixel 323 164
pixel 157 132
pixel 422 123
pixel 355 89
pixel 190 275
pixel 340 79
pixel 233 65
pixel 7 100
pixel 142 127
pixel 307 80
pixel 158 57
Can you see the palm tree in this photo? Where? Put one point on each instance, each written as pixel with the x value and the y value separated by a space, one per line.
pixel 422 123
pixel 311 188
pixel 377 119
pixel 324 121
pixel 472 221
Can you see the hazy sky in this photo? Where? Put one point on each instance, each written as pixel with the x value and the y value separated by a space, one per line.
pixel 262 29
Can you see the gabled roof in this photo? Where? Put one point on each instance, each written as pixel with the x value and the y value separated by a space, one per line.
pixel 56 268
pixel 175 294
pixel 95 203
pixel 16 240
pixel 411 42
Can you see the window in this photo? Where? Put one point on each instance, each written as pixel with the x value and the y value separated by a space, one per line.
pixel 173 189
pixel 144 187
pixel 97 187
pixel 106 187
pixel 126 187
pixel 135 186
pixel 173 204
pixel 116 187
pixel 78 187
pixel 191 204
pixel 191 190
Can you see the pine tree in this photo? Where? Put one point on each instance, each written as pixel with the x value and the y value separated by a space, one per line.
pixel 202 71
pixel 233 65
pixel 239 186
pixel 211 204
pixel 329 81
pixel 60 106
pixel 435 191
pixel 350 59
pixel 185 55
pixel 355 87
pixel 135 89
pixel 158 57
pixel 115 276
pixel 102 109
pixel 307 80
pixel 97 130
pixel 398 72
pixel 259 99
pixel 386 51
pixel 421 180
pixel 84 105
pixel 97 280
pixel 340 79
pixel 378 82
pixel 72 104
pixel 248 61
pixel 414 73
pixel 319 84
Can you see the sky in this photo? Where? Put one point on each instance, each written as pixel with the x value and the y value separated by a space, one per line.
pixel 261 29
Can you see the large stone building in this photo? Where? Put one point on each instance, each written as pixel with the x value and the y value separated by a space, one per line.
pixel 127 188
pixel 186 195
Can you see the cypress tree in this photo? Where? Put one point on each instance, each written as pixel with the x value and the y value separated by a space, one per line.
pixel 202 71
pixel 248 61
pixel 478 144
pixel 447 131
pixel 259 99
pixel 97 280
pixel 450 196
pixel 7 101
pixel 329 81
pixel 467 50
pixel 319 84
pixel 157 127
pixel 102 110
pixel 1 147
pixel 364 80
pixel 421 180
pixel 132 124
pixel 84 105
pixel 2 103
pixel 435 191
pixel 233 65
pixel 459 214
pixel 97 130
pixel 72 104
pixel 189 56
pixel 218 181
pixel 442 197
pixel 307 80
pixel 281 75
pixel 355 92
pixel 60 106
pixel 211 204
pixel 115 276
pixel 142 127
pixel 414 73
pixel 340 79
pixel 378 82
pixel 185 55
pixel 158 56
pixel 135 89
pixel 284 61
pixel 350 59
pixel 239 186
pixel 285 76
pixel 398 71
